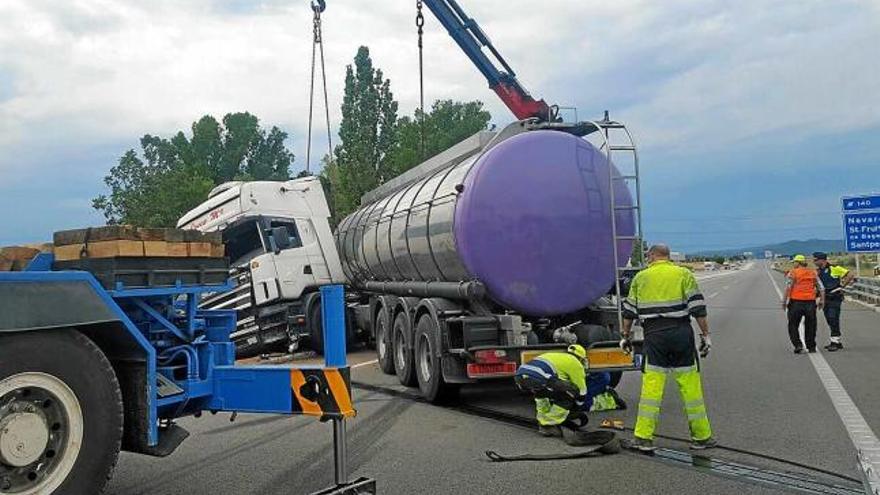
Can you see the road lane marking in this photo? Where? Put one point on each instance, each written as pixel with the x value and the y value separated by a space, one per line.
pixel 365 363
pixel 860 433
pixel 713 295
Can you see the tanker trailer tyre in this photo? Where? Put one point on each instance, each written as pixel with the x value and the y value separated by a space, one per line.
pixel 403 352
pixel 428 365
pixel 384 349
pixel 588 334
pixel 66 413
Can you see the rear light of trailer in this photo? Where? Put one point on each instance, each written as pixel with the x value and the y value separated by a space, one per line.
pixel 491 356
pixel 487 370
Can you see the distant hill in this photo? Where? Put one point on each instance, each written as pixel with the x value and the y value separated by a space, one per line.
pixel 788 248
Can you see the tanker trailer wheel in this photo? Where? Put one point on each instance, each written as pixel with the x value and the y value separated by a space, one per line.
pixel 60 414
pixel 384 349
pixel 428 362
pixel 588 334
pixel 403 352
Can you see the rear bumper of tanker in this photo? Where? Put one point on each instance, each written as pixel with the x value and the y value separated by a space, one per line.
pixel 489 362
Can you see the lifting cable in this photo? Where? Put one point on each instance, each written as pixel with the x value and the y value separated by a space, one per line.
pixel 318 7
pixel 420 24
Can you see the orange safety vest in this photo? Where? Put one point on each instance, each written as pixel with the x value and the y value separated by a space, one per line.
pixel 803 286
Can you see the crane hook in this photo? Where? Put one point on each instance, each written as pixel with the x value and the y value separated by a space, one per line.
pixel 319 5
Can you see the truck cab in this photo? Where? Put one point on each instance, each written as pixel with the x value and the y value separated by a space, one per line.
pixel 281 250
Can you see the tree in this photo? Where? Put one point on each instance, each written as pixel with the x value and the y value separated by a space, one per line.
pixel 446 124
pixel 174 175
pixel 367 133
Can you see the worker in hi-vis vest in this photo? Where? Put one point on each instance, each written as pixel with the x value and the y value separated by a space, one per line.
pixel 835 278
pixel 563 389
pixel 664 297
pixel 802 288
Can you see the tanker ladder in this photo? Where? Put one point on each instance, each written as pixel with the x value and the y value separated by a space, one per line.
pixel 615 139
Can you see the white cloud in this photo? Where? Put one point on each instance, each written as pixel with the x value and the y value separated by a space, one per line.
pixel 80 75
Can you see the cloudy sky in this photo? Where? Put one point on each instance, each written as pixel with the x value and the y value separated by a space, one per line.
pixel 752 117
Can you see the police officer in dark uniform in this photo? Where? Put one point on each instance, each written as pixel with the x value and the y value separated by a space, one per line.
pixel 834 278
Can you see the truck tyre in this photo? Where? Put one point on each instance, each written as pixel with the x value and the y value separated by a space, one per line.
pixel 316 328
pixel 60 414
pixel 403 353
pixel 384 349
pixel 429 370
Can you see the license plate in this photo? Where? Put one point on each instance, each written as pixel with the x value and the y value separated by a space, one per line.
pixel 610 357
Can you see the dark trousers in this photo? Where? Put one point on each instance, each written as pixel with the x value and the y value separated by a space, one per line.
pixel 832 316
pixel 805 310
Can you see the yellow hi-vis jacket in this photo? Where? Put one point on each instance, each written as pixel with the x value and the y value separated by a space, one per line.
pixel 664 290
pixel 567 368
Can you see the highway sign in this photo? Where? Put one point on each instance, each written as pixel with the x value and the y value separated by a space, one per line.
pixel 862 232
pixel 860 203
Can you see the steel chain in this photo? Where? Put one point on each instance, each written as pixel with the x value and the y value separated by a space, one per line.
pixel 420 24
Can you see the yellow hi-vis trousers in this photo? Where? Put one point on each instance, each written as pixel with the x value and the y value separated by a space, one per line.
pixel 691 389
pixel 548 413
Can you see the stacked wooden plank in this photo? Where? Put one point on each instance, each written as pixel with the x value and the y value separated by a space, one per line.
pixel 115 241
pixel 15 258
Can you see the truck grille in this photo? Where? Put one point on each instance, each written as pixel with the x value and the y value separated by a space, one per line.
pixel 238 299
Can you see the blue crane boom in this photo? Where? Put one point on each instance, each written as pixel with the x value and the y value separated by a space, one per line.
pixel 471 39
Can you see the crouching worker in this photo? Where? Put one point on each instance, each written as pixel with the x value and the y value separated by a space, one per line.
pixel 562 388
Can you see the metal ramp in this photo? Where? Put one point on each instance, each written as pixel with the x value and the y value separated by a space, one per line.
pixel 615 140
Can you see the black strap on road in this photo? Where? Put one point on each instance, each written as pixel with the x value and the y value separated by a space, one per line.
pixel 597 443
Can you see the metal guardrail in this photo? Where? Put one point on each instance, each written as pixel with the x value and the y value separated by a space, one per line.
pixel 866 290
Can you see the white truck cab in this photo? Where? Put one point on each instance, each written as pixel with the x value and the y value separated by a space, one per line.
pixel 278 239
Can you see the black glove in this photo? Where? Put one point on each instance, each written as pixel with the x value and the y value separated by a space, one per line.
pixel 705 345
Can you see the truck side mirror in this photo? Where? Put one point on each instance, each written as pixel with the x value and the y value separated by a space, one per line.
pixel 281 237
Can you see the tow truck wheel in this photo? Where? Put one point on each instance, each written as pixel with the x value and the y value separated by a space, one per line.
pixel 403 353
pixel 60 414
pixel 383 343
pixel 428 364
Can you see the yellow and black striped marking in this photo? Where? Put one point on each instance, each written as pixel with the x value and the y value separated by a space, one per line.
pixel 322 392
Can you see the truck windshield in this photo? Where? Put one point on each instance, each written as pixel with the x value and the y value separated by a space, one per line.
pixel 242 240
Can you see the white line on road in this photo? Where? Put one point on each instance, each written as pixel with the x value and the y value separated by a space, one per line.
pixel 366 363
pixel 713 295
pixel 863 438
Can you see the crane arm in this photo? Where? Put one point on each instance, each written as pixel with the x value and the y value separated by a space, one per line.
pixel 467 33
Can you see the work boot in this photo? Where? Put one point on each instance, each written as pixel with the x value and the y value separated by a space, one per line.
pixel 834 346
pixel 550 430
pixel 812 350
pixel 644 445
pixel 709 443
pixel 798 350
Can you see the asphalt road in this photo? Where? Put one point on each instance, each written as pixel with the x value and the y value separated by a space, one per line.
pixel 764 402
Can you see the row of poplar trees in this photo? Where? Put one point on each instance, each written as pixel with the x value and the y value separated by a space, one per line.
pixel 171 176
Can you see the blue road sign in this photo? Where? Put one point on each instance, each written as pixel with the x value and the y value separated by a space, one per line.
pixel 861 203
pixel 862 232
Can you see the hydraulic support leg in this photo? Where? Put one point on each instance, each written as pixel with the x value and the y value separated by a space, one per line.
pixel 333 319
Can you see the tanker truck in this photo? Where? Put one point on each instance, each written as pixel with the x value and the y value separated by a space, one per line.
pixel 500 248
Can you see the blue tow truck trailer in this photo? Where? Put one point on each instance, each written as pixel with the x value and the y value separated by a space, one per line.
pixel 98 361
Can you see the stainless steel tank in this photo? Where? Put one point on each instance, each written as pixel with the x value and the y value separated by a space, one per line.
pixel 530 219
